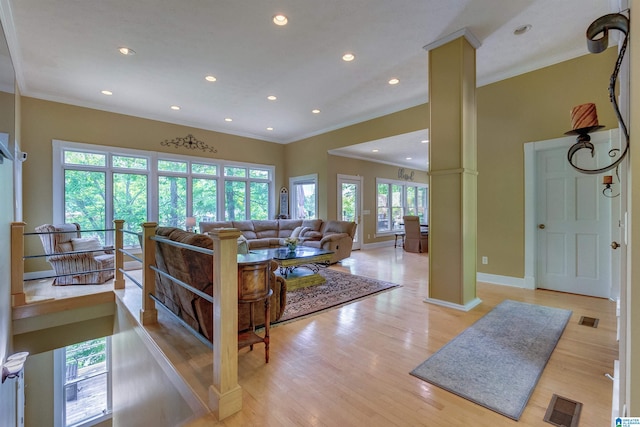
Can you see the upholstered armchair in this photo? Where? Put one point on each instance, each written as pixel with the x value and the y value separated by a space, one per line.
pixel 415 240
pixel 73 257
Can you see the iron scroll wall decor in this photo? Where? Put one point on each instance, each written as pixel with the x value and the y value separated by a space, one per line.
pixel 190 142
pixel 597 41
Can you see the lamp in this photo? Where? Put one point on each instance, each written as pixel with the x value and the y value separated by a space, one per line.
pixel 190 222
pixel 13 366
pixel 583 117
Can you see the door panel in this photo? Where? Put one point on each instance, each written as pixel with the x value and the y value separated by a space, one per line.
pixel 574 226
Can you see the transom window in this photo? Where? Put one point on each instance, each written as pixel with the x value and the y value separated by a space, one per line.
pixel 396 199
pixel 95 184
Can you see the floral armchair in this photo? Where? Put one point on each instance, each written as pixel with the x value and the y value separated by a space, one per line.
pixel 76 260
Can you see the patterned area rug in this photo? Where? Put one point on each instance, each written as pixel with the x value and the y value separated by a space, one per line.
pixel 338 290
pixel 497 361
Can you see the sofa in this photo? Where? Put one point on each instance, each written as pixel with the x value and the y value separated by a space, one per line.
pixel 196 269
pixel 335 236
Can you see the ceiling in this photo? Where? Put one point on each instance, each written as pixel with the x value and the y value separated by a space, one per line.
pixel 67 51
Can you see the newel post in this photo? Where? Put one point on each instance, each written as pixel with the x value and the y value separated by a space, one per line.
pixel 148 312
pixel 118 283
pixel 17 264
pixel 225 395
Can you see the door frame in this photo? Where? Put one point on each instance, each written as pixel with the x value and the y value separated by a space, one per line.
pixel 357 244
pixel 530 195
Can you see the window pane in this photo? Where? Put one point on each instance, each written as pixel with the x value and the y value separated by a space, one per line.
pixel 422 205
pixel 235 200
pixel 396 206
pixel 348 202
pixel 170 166
pixel 383 207
pixel 231 171
pixel 305 199
pixel 204 169
pixel 172 201
pixel 258 173
pixel 84 199
pixel 205 196
pixel 259 200
pixel 86 388
pixel 411 201
pixel 129 162
pixel 130 203
pixel 80 158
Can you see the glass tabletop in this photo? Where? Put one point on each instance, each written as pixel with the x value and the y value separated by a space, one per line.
pixel 284 253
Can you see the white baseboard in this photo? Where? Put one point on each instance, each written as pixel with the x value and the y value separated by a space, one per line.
pixel 466 307
pixel 495 279
pixel 377 245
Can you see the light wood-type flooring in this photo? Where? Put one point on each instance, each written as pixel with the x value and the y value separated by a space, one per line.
pixel 350 366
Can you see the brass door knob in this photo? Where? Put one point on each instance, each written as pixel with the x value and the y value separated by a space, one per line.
pixel 615 245
pixel 541 226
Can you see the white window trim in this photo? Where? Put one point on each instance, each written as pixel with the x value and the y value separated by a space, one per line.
pixel 404 185
pixel 303 179
pixel 59 378
pixel 152 172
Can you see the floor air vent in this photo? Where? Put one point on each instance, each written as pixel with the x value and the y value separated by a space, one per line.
pixel 589 321
pixel 563 412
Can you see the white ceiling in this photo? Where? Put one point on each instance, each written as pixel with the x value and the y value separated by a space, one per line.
pixel 66 51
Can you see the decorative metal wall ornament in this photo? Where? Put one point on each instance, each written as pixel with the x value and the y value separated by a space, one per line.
pixel 189 142
pixel 598 41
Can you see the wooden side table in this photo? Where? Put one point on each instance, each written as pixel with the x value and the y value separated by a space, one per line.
pixel 253 287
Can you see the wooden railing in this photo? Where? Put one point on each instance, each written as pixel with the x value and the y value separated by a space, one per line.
pixel 225 395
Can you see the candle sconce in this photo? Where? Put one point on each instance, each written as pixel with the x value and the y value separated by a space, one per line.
pixel 583 117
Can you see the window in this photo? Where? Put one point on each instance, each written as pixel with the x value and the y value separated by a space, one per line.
pixel 396 199
pixel 83 383
pixel 95 184
pixel 304 197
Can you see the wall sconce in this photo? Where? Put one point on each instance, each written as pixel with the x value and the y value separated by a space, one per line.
pixel 13 366
pixel 190 222
pixel 583 117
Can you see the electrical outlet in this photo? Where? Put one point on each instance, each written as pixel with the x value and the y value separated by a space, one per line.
pixel 368 236
pixel 485 260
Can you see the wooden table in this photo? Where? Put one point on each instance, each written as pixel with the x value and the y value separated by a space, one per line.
pixel 299 268
pixel 253 287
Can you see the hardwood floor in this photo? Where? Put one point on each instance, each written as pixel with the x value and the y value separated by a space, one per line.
pixel 350 366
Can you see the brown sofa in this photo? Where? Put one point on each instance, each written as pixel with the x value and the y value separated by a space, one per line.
pixel 196 269
pixel 335 236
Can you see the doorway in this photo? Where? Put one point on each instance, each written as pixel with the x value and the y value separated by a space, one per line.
pixel 568 220
pixel 350 204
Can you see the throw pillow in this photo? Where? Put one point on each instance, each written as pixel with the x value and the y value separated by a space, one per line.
pixel 86 244
pixel 303 231
pixel 296 232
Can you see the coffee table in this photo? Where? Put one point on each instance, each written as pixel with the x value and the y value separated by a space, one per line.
pixel 299 268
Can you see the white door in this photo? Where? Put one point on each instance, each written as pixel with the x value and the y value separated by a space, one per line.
pixel 350 203
pixel 574 224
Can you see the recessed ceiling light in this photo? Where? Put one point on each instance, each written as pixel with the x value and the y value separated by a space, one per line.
pixel 106 92
pixel 375 150
pixel 269 128
pixel 424 141
pixel 271 97
pixel 394 81
pixel 348 57
pixel 210 78
pixel 280 19
pixel 408 158
pixel 175 107
pixel 522 29
pixel 228 119
pixel 126 51
pixel 316 111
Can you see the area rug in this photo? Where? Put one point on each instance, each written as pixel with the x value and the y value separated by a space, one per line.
pixel 339 289
pixel 497 361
